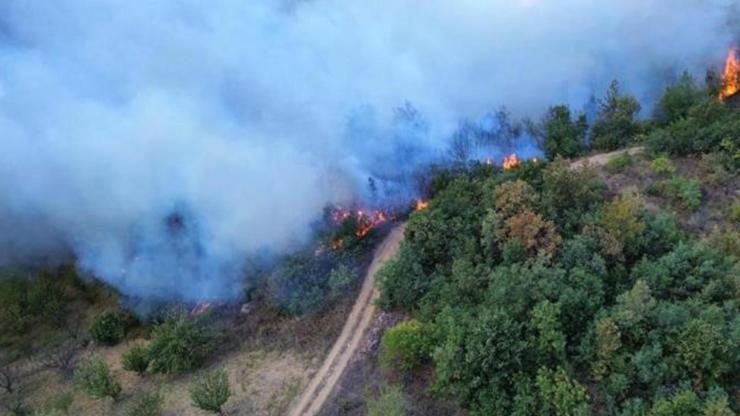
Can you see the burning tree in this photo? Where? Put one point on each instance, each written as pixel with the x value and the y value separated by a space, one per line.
pixel 730 76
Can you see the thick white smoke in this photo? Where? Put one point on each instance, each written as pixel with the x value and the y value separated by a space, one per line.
pixel 162 141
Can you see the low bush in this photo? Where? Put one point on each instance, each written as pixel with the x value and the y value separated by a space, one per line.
pixel 148 404
pixel 662 164
pixel 107 328
pixel 685 192
pixel 388 403
pixel 94 377
pixel 619 163
pixel 136 359
pixel 180 343
pixel 211 391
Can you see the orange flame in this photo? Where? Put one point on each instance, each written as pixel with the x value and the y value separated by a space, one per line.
pixel 511 161
pixel 421 204
pixel 337 244
pixel 731 76
pixel 366 220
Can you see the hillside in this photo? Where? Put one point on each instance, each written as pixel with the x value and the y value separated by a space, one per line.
pixel 604 286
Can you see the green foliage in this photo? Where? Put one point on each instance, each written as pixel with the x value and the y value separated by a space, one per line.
pixel 568 194
pixel 107 328
pixel 180 343
pixel 684 403
pixel 561 134
pixel 678 99
pixel 662 164
pixel 619 163
pixel 390 402
pixel 616 122
pixel 136 358
pixel 703 350
pixel 211 391
pixel 561 395
pixel 626 301
pixel 340 279
pixel 514 197
pixel 685 192
pixel 148 404
pixel 94 377
pixel 709 126
pixel 547 336
pixel 405 346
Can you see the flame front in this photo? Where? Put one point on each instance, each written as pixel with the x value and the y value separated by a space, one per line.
pixel 731 76
pixel 511 161
pixel 421 204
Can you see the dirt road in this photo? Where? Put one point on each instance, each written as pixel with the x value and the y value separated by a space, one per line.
pixel 349 340
pixel 603 158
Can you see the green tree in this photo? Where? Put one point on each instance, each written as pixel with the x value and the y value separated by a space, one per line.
pixel 568 194
pixel 560 395
pixel 704 351
pixel 608 344
pixel 548 338
pixel 107 328
pixel 94 377
pixel 514 197
pixel 211 391
pixel 180 343
pixel 683 403
pixel 678 99
pixel 616 122
pixel 561 134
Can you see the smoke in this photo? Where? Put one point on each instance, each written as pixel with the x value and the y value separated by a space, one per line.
pixel 163 141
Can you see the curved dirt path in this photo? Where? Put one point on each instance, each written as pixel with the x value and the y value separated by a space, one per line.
pixel 358 321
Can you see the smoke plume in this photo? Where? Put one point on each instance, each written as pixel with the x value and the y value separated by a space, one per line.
pixel 161 142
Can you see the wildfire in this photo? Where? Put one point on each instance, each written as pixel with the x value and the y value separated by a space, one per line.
pixel 731 76
pixel 421 204
pixel 511 161
pixel 366 220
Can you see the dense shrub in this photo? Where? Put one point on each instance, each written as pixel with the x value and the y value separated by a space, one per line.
pixel 107 328
pixel 405 346
pixel 180 343
pixel 136 359
pixel 94 377
pixel 211 391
